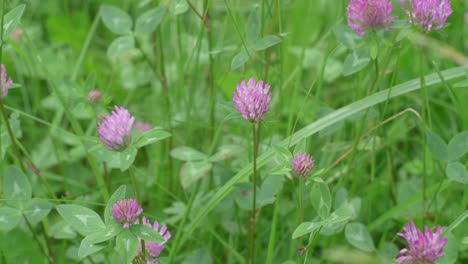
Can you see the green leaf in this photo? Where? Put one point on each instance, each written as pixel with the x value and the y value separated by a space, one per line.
pixel 82 219
pixel 12 19
pixel 36 210
pixel 187 154
pixel 266 42
pixel 458 146
pixel 313 128
pixel 100 152
pixel 17 189
pixel 457 172
pixel 178 7
pixel 127 157
pixel 437 146
pixel 270 187
pixel 146 233
pixel 62 230
pixel 121 46
pixel 450 250
pixel 87 248
pixel 460 220
pixel 127 245
pixel 119 194
pixel 152 136
pixel 9 218
pixel 239 60
pixel 149 21
pixel 306 228
pixel 346 36
pixel 356 61
pixel 253 27
pixel 358 236
pixel 225 152
pixel 321 199
pixel 243 193
pixel 116 20
pixel 105 234
pixel 192 171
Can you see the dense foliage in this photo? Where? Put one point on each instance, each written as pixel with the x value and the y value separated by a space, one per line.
pixel 222 131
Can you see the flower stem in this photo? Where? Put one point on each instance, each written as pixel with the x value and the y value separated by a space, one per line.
pixel 253 220
pixel 301 205
pixel 34 234
pixel 181 226
pixel 135 186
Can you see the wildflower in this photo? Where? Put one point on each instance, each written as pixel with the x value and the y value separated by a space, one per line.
pixel 154 249
pixel 303 164
pixel 141 126
pixel 424 248
pixel 429 14
pixel 252 99
pixel 115 129
pixel 4 82
pixel 369 15
pixel 126 211
pixel 94 96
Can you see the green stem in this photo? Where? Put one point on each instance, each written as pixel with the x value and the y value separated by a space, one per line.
pixel 167 102
pixel 39 244
pixel 47 240
pixel 180 228
pixel 228 247
pixel 253 220
pixel 301 205
pixel 206 21
pixel 422 81
pixel 85 48
pixel 135 186
pixel 272 240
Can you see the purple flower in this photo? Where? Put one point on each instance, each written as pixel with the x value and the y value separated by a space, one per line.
pixel 430 14
pixel 4 82
pixel 252 99
pixel 369 15
pixel 154 249
pixel 115 129
pixel 94 96
pixel 423 247
pixel 303 164
pixel 141 126
pixel 126 211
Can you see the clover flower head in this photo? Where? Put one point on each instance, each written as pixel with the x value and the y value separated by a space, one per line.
pixel 115 129
pixel 369 15
pixel 429 14
pixel 252 99
pixel 423 248
pixel 303 164
pixel 126 211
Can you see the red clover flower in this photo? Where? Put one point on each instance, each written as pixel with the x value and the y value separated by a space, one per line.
pixel 423 248
pixel 303 164
pixel 369 15
pixel 252 99
pixel 115 129
pixel 126 211
pixel 429 14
